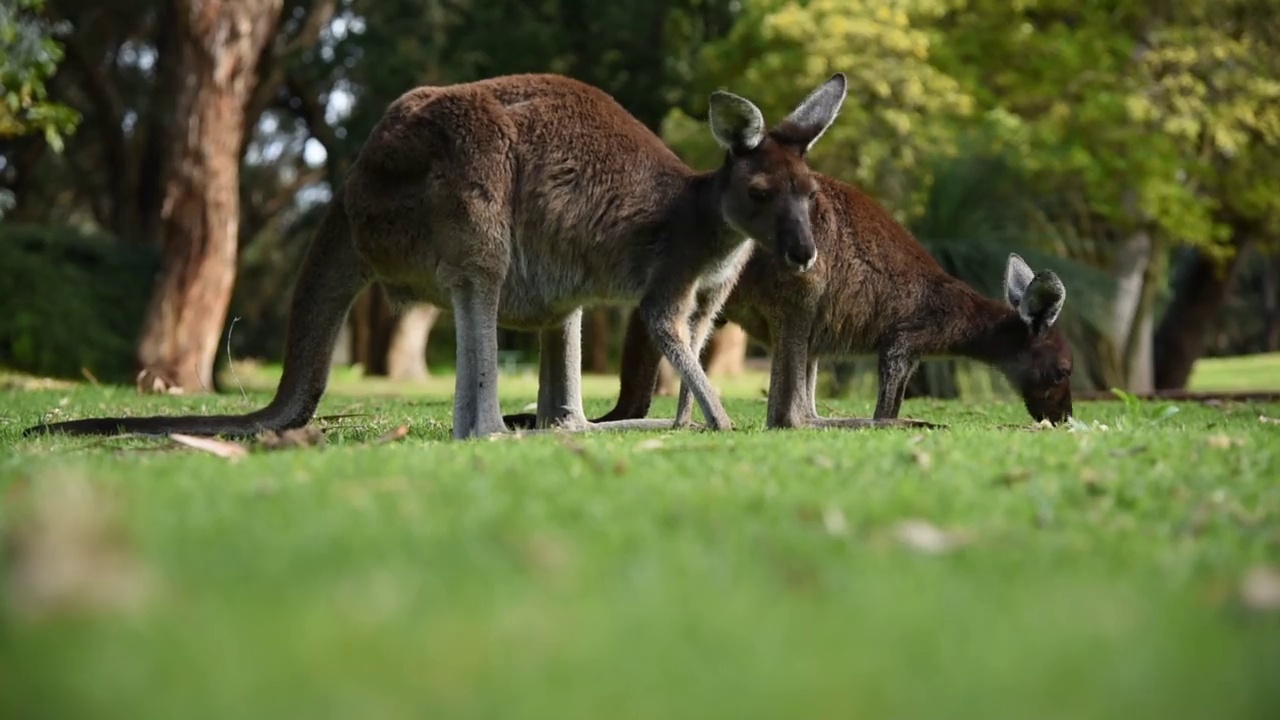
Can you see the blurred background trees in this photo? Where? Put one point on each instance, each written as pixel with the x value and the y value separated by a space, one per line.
pixel 177 153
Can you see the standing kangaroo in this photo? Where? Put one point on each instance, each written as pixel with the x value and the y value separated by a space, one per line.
pixel 517 200
pixel 874 288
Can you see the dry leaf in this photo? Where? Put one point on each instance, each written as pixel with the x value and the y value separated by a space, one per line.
pixel 824 462
pixel 68 553
pixel 1222 442
pixel 399 433
pixel 1268 420
pixel 834 521
pixel 927 538
pixel 1014 477
pixel 1260 588
pixel 309 436
pixel 650 444
pixel 922 459
pixel 221 448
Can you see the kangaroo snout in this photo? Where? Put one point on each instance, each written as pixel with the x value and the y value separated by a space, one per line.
pixel 801 256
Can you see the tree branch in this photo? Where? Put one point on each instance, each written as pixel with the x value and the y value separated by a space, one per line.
pixel 275 58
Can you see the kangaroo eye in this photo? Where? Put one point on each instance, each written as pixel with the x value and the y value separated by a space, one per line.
pixel 758 194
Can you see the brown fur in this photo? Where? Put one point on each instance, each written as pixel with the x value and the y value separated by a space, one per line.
pixel 874 289
pixel 517 201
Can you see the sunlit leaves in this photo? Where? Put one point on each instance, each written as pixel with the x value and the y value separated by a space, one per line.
pixel 900 108
pixel 30 57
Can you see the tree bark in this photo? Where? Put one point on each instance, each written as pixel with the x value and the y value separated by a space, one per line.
pixel 1131 314
pixel 407 357
pixel 595 341
pixel 1271 301
pixel 1200 290
pixel 372 325
pixel 727 352
pixel 219 42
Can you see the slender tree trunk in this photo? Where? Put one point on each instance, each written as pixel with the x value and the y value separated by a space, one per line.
pixel 727 351
pixel 1131 314
pixel 219 43
pixel 1271 301
pixel 1189 321
pixel 407 357
pixel 595 338
pixel 372 325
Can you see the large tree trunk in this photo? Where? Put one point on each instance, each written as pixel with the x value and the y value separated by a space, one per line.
pixel 1131 313
pixel 1201 288
pixel 407 357
pixel 219 42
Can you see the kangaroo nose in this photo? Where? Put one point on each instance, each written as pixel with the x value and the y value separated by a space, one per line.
pixel 801 256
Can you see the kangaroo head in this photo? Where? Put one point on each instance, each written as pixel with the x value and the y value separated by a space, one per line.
pixel 1042 368
pixel 767 188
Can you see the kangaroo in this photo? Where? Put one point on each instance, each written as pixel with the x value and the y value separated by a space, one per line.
pixel 517 200
pixel 874 288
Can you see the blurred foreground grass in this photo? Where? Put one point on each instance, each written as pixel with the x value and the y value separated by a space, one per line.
pixel 982 571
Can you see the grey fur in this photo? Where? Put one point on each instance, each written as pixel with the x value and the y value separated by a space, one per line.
pixel 736 122
pixel 818 111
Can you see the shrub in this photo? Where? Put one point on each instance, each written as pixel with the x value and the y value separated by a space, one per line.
pixel 71 300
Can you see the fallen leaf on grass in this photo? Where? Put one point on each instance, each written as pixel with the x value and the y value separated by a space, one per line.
pixel 67 553
pixel 1014 477
pixel 221 448
pixel 1092 481
pixel 1268 420
pixel 399 433
pixel 650 444
pixel 824 462
pixel 834 521
pixel 925 537
pixel 922 459
pixel 309 436
pixel 1223 442
pixel 1260 588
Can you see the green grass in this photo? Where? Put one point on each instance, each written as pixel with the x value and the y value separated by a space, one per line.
pixel 1248 372
pixel 753 574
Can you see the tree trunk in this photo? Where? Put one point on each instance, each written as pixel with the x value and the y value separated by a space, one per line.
pixel 407 357
pixel 595 338
pixel 1131 314
pixel 727 352
pixel 1188 321
pixel 1271 301
pixel 372 325
pixel 219 43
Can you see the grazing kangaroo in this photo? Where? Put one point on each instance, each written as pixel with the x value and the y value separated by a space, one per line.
pixel 874 288
pixel 517 200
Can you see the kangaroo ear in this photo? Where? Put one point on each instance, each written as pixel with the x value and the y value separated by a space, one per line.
pixel 1043 300
pixel 1017 276
pixel 736 122
pixel 1037 296
pixel 815 113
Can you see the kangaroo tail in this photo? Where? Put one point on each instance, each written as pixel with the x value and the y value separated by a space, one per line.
pixel 328 282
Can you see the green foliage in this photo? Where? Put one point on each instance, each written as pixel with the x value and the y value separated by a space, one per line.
pixel 30 57
pixel 976 572
pixel 1150 114
pixel 71 300
pixel 901 110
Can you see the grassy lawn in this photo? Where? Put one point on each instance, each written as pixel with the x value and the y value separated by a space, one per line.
pixel 982 571
pixel 1250 372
